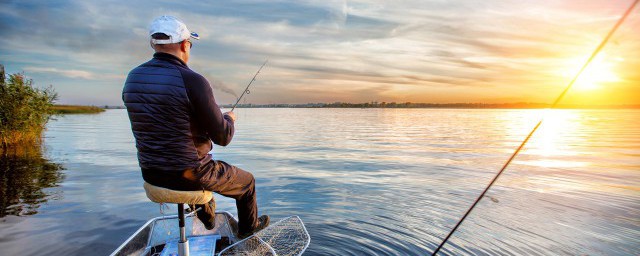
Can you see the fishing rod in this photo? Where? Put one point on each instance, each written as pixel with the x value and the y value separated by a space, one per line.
pixel 555 103
pixel 246 90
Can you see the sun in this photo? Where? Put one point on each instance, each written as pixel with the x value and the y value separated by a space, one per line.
pixel 599 72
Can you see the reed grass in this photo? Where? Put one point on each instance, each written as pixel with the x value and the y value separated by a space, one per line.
pixel 76 109
pixel 24 109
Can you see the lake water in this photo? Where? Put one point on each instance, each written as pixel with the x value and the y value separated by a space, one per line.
pixel 364 181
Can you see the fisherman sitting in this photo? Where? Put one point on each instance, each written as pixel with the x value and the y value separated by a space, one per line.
pixel 175 119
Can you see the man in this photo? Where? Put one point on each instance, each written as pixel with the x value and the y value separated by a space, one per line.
pixel 175 119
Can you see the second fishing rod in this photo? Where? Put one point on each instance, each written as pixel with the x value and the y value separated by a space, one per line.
pixel 555 103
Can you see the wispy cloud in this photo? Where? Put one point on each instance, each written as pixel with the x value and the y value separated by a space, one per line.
pixel 73 73
pixel 67 73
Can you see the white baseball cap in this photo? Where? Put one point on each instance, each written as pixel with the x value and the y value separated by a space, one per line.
pixel 172 27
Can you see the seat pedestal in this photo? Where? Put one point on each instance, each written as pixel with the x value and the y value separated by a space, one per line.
pixel 183 244
pixel 164 195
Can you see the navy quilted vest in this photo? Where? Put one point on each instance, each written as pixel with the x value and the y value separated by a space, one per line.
pixel 159 111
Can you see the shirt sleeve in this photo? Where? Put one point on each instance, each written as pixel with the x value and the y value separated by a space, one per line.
pixel 207 114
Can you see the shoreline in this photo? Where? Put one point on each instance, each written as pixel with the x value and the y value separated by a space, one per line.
pixel 76 109
pixel 421 106
pixel 438 106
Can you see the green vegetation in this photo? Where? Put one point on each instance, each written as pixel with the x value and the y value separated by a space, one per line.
pixel 74 109
pixel 24 110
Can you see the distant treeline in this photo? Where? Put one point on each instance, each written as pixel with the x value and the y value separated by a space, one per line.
pixel 519 105
pixel 75 109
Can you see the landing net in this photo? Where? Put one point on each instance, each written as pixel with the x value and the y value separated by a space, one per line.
pixel 286 237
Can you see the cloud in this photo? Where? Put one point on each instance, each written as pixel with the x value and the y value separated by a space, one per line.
pixel 386 49
pixel 73 73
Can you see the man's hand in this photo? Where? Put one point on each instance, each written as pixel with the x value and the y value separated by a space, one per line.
pixel 231 114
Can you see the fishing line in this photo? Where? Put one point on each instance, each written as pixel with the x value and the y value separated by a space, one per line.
pixel 246 90
pixel 555 103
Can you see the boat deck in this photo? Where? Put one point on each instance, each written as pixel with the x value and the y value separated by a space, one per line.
pixel 159 236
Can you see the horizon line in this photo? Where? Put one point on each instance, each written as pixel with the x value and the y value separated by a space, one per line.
pixel 374 104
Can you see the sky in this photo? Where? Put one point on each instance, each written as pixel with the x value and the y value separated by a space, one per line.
pixel 432 51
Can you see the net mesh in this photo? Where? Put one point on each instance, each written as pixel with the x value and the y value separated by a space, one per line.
pixel 285 237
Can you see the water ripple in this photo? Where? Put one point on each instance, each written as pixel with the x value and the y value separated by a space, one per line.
pixel 375 181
